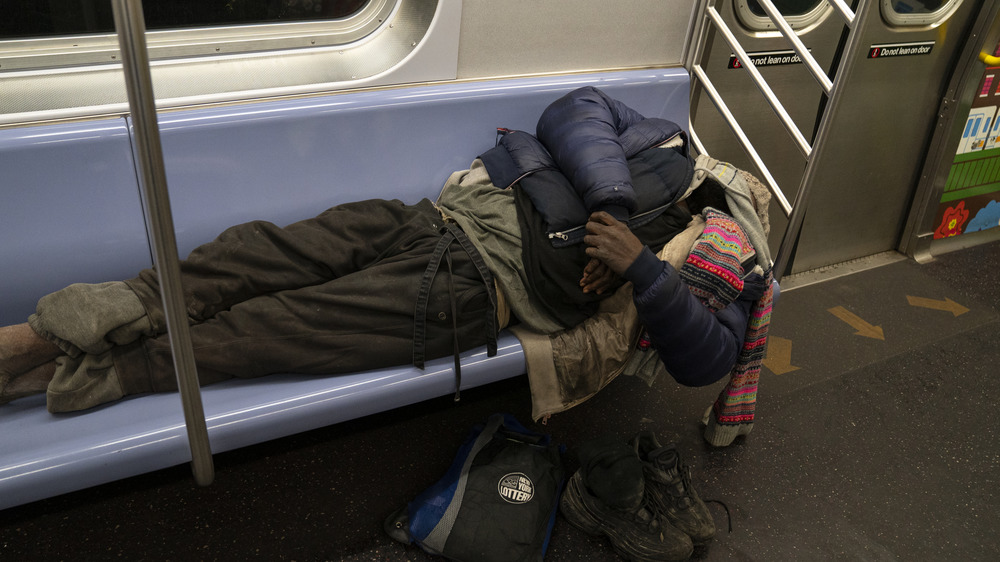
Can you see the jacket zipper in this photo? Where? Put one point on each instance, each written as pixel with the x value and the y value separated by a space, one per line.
pixel 565 234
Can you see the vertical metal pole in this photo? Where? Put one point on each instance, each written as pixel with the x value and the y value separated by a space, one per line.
pixel 131 29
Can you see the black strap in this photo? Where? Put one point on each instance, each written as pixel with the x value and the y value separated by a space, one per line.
pixel 487 277
pixel 454 328
pixel 451 232
pixel 423 295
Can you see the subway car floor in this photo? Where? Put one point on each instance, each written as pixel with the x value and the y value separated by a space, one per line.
pixel 876 438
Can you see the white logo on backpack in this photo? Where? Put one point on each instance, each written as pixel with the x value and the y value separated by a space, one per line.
pixel 516 488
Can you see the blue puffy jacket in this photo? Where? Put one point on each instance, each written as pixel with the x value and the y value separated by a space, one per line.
pixel 590 136
pixel 578 163
pixel 697 346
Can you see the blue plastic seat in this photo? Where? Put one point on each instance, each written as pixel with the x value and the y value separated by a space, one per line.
pixel 279 161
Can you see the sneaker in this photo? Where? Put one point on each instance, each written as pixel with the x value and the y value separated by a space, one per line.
pixel 668 485
pixel 637 535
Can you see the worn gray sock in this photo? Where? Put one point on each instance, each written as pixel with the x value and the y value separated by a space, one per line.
pixel 91 318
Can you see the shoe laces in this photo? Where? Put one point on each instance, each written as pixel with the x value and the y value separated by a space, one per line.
pixel 729 518
pixel 679 485
pixel 645 514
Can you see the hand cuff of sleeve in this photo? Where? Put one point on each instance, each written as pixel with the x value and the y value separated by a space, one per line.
pixel 644 270
pixel 618 211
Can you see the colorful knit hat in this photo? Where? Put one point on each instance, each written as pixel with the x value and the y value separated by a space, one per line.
pixel 714 269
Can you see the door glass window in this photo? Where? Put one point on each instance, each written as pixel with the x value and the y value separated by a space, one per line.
pixel 918 12
pixel 31 18
pixel 63 34
pixel 799 14
pixel 786 7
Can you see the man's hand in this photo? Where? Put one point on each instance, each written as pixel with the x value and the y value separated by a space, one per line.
pixel 597 277
pixel 611 242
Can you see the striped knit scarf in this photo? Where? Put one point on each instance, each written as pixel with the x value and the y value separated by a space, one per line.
pixel 714 273
pixel 733 411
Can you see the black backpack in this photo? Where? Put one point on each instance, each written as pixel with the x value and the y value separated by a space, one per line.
pixel 497 502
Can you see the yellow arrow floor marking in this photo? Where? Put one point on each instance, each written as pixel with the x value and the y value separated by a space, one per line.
pixel 863 328
pixel 779 356
pixel 946 305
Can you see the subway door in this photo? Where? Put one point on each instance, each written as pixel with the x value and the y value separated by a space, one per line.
pixel 868 171
pixel 820 29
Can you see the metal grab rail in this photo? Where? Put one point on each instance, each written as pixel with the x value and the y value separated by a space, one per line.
pixel 807 58
pixel 844 10
pixel 713 94
pixel 131 29
pixel 772 99
pixel 832 88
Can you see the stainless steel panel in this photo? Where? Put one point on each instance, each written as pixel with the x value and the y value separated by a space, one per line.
pixel 792 83
pixel 470 39
pixel 419 42
pixel 869 169
pixel 519 37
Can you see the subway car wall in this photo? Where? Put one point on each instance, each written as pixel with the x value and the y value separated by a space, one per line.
pixel 970 201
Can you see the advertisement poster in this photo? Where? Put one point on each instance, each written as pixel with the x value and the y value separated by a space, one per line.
pixel 971 198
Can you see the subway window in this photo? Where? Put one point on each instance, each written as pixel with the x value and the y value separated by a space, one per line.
pixel 799 14
pixel 31 18
pixel 62 33
pixel 59 59
pixel 918 12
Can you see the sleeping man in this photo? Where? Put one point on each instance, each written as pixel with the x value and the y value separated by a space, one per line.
pixel 380 283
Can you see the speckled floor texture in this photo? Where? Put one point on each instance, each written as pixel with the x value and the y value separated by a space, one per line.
pixel 864 449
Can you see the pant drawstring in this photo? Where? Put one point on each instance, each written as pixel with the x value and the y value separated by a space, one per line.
pixel 454 326
pixel 443 250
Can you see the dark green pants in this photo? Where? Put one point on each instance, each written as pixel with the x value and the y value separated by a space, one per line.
pixel 328 295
